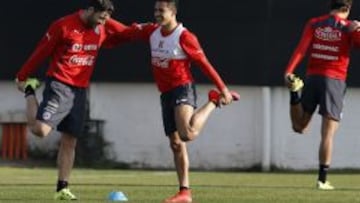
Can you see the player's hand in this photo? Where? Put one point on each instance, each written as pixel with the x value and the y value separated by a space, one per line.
pixel 287 81
pixel 226 97
pixel 354 26
pixel 20 85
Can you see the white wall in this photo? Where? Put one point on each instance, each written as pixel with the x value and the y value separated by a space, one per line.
pixel 291 150
pixel 134 126
pixel 234 136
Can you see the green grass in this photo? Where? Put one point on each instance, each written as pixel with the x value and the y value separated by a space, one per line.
pixel 37 185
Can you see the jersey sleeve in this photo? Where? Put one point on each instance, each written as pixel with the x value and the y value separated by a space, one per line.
pixel 301 48
pixel 115 34
pixel 119 33
pixel 43 50
pixel 192 48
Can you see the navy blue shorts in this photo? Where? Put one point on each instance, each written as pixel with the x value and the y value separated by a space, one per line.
pixel 63 107
pixel 184 94
pixel 327 93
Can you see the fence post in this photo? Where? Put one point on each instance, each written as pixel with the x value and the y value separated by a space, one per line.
pixel 266 155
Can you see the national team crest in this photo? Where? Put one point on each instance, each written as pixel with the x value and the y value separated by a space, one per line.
pixel 46 115
pixel 161 44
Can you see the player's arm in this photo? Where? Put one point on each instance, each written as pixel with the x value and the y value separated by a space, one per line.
pixel 192 48
pixel 300 50
pixel 43 50
pixel 118 33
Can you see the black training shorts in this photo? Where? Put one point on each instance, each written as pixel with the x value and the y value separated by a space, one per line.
pixel 327 93
pixel 184 94
pixel 63 107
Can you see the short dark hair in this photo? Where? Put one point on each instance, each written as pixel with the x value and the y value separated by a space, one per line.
pixel 342 5
pixel 175 2
pixel 102 5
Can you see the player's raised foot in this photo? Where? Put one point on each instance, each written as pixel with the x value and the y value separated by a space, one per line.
pixel 214 96
pixel 183 196
pixel 64 194
pixel 324 186
pixel 32 83
pixel 296 83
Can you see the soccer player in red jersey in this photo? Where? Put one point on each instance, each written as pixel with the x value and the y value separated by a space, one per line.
pixel 72 43
pixel 328 41
pixel 173 48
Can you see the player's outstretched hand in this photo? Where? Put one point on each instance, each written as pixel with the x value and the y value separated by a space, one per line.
pixel 287 80
pixel 354 26
pixel 227 97
pixel 20 85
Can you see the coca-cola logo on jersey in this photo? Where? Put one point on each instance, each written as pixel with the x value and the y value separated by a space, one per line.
pixel 328 34
pixel 82 60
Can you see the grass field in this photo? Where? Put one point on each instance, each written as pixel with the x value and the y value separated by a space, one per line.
pixel 37 185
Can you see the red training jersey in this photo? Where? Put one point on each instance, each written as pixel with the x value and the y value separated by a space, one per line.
pixel 328 41
pixel 73 48
pixel 172 54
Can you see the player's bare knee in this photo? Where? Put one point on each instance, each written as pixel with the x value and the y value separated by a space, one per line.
pixel 185 137
pixel 38 131
pixel 189 135
pixel 176 146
